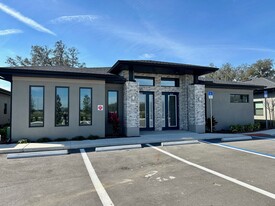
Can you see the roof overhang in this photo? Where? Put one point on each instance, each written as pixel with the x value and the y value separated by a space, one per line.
pixel 8 72
pixel 211 84
pixel 156 67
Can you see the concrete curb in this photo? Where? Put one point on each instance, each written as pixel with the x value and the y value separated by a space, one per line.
pixel 228 139
pixel 37 154
pixel 180 142
pixel 121 147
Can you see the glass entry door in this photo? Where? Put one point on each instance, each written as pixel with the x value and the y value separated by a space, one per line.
pixel 170 110
pixel 146 110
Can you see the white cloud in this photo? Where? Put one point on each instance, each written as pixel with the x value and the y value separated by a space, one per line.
pixel 75 18
pixel 10 31
pixel 146 56
pixel 17 15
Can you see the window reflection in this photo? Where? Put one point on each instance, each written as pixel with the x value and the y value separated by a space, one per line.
pixel 62 106
pixel 36 106
pixel 112 102
pixel 85 102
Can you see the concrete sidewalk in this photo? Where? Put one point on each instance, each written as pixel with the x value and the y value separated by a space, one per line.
pixel 145 137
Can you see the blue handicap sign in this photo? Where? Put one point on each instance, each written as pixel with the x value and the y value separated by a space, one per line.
pixel 210 93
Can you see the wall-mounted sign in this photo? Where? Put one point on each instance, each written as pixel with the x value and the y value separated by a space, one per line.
pixel 210 95
pixel 100 107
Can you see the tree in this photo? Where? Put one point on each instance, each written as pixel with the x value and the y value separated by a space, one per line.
pixel 244 72
pixel 87 105
pixel 58 110
pixel 227 73
pixel 60 55
pixel 262 68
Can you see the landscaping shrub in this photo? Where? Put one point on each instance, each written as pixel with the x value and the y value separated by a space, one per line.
pixel 257 126
pixel 245 128
pixel 61 139
pixel 92 137
pixel 43 139
pixel 23 141
pixel 208 124
pixel 3 133
pixel 78 138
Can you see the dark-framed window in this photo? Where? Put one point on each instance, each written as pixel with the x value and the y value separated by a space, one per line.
pixel 36 105
pixel 239 98
pixel 258 108
pixel 5 108
pixel 145 81
pixel 61 106
pixel 85 106
pixel 112 102
pixel 169 82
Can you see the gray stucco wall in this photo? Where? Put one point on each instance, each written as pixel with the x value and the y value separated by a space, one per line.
pixel 227 113
pixel 4 118
pixel 20 105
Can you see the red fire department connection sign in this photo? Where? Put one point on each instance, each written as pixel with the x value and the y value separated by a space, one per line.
pixel 100 107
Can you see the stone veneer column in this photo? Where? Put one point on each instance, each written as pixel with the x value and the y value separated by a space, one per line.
pixel 196 108
pixel 131 108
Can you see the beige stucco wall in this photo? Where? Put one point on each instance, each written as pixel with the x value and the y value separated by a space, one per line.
pixel 227 113
pixel 4 118
pixel 20 105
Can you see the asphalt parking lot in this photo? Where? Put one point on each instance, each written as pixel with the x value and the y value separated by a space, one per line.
pixel 196 174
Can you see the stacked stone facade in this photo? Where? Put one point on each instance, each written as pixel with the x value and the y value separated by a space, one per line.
pixel 196 108
pixel 131 108
pixel 182 90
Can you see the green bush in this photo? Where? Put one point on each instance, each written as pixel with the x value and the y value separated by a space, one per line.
pixel 78 138
pixel 92 137
pixel 3 133
pixel 43 139
pixel 244 128
pixel 257 126
pixel 61 139
pixel 23 141
pixel 208 124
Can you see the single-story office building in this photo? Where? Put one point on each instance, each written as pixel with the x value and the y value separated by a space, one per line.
pixel 232 102
pixel 5 97
pixel 146 95
pixel 67 102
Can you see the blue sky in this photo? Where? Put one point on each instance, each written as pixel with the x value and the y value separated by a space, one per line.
pixel 188 31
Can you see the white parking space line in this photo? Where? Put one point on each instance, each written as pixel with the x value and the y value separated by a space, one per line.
pixel 103 195
pixel 242 150
pixel 243 184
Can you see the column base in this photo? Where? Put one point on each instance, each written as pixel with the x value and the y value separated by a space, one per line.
pixel 132 131
pixel 197 128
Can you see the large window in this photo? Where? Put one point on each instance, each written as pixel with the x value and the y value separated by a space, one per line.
pixel 112 102
pixel 239 98
pixel 36 118
pixel 85 106
pixel 61 106
pixel 169 82
pixel 258 108
pixel 145 81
